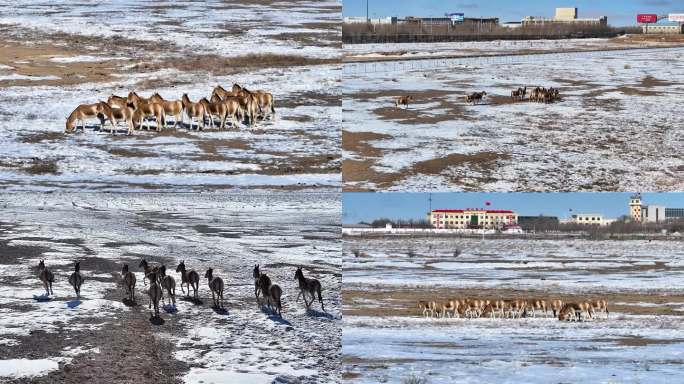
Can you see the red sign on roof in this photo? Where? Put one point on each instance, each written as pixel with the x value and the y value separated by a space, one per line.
pixel 647 18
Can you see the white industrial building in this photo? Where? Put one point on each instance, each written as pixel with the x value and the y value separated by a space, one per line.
pixel 564 16
pixel 652 213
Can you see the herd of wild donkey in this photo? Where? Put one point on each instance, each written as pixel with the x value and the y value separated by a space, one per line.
pixel 160 281
pixel 537 94
pixel 238 103
pixel 518 308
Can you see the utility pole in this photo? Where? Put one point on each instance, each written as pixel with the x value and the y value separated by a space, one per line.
pixel 367 19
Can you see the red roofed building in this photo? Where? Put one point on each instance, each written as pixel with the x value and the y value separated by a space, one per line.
pixel 473 218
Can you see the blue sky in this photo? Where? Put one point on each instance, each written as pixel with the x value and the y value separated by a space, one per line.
pixel 360 206
pixel 619 12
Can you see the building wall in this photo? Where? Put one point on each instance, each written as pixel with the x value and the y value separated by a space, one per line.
pixel 653 214
pixel 566 13
pixel 463 219
pixel 663 29
pixel 588 218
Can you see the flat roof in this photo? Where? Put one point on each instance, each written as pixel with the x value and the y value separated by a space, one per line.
pixel 471 210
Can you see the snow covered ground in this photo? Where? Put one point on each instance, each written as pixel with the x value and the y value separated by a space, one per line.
pixel 594 138
pixel 386 340
pixel 228 232
pixel 55 56
pixel 224 28
pixel 499 47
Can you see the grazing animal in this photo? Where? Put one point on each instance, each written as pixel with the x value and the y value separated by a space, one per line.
pixel 171 107
pixel 167 283
pixel 556 306
pixel 155 293
pixel 475 97
pixel 221 93
pixel 519 94
pixel 599 306
pixel 129 282
pixel 264 101
pixel 403 100
pixel 114 115
pixel 310 286
pixel 570 311
pixel 76 280
pixel 117 101
pixel 427 308
pixel 189 278
pixel 216 287
pixel 145 108
pixel 538 305
pixel 81 113
pixel 46 276
pixel 194 111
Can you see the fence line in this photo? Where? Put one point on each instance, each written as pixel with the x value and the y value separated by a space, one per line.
pixel 436 63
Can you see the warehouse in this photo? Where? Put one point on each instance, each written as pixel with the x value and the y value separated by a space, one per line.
pixel 564 16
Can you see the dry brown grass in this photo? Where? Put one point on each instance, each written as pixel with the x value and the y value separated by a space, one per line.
pixel 42 166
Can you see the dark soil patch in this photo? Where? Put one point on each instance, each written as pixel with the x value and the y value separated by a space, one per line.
pixel 42 166
pixel 483 160
pixel 42 136
pixel 357 142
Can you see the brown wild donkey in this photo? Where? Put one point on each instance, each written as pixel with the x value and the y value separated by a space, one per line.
pixel 189 278
pixel 46 276
pixel 81 113
pixel 129 282
pixel 76 280
pixel 145 108
pixel 403 100
pixel 194 111
pixel 310 286
pixel 171 107
pixel 216 287
pixel 114 115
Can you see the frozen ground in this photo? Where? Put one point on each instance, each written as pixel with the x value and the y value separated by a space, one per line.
pixel 361 52
pixel 595 138
pixel 54 57
pixel 385 339
pixel 309 28
pixel 68 340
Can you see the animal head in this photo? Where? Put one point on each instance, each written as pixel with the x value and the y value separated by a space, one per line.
pixel 255 272
pixel 41 264
pixel 181 266
pixel 77 267
pixel 143 263
pixel 299 274
pixel 209 273
pixel 124 270
pixel 162 270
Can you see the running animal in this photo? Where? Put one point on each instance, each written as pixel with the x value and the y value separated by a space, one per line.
pixel 129 282
pixel 216 287
pixel 189 278
pixel 76 280
pixel 310 286
pixel 46 276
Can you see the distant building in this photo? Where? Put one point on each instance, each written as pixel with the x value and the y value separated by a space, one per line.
pixel 667 28
pixel 374 21
pixel 588 219
pixel 652 213
pixel 473 218
pixel 564 16
pixel 512 24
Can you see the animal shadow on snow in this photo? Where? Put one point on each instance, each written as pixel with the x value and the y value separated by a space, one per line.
pixel 156 320
pixel 168 308
pixel 130 303
pixel 73 303
pixel 317 313
pixel 191 299
pixel 273 316
pixel 220 311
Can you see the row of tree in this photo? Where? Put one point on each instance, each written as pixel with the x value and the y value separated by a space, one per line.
pixel 409 32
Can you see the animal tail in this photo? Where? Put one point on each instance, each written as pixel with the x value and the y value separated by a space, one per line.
pixel 273 106
pixel 320 298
